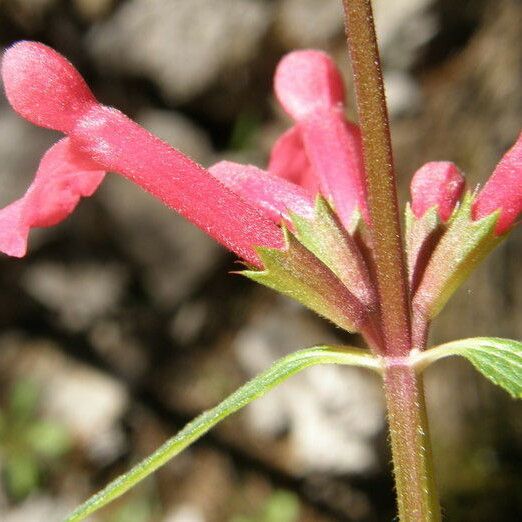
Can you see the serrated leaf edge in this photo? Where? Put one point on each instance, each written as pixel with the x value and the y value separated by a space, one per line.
pixel 494 347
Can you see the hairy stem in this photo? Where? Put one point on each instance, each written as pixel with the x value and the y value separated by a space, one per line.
pixel 385 227
pixel 416 492
pixel 417 496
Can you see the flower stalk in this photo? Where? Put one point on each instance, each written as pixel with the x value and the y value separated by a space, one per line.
pixel 417 496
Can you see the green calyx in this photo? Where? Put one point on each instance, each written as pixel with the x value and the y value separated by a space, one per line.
pixel 297 273
pixel 327 239
pixel 462 247
pixel 420 237
pixel 322 267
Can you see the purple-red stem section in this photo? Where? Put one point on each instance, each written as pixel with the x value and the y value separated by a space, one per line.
pixel 417 497
pixel 383 206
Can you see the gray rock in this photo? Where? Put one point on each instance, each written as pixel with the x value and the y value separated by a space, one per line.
pixel 174 254
pixel 181 45
pixel 308 23
pixel 80 293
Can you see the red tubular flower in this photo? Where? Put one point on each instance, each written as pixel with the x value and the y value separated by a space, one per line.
pixel 275 195
pixel 310 89
pixel 47 90
pixel 503 190
pixel 63 177
pixel 321 263
pixel 239 206
pixel 288 160
pixel 436 184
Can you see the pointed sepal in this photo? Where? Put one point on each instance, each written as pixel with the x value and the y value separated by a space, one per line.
pixel 325 236
pixel 295 272
pixel 464 245
pixel 421 237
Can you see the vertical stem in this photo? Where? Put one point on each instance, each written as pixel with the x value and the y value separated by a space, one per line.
pixel 417 496
pixel 380 177
pixel 416 491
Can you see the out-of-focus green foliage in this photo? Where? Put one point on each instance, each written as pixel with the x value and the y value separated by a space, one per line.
pixel 29 445
pixel 281 506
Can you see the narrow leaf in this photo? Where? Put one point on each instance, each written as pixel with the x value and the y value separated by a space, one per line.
pixel 257 387
pixel 499 360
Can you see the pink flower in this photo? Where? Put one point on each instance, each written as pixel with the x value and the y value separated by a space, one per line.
pixel 322 150
pixel 242 207
pixel 275 195
pixel 47 90
pixel 325 265
pixel 440 184
pixel 436 184
pixel 320 154
pixel 64 176
pixel 503 191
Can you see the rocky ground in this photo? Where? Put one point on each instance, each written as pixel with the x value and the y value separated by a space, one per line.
pixel 123 322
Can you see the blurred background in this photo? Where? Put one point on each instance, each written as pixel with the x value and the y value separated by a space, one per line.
pixel 123 322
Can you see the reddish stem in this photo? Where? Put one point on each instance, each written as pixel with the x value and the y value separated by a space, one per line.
pixel 390 267
pixel 416 492
pixel 417 496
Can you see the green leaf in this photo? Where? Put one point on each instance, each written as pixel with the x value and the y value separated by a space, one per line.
pixel 257 387
pixel 297 273
pixel 23 400
pixel 465 244
pixel 48 439
pixel 21 474
pixel 499 360
pixel 327 239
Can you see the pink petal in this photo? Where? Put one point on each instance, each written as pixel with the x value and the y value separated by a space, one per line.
pixel 307 81
pixel 120 145
pixel 63 177
pixel 288 160
pixel 274 195
pixel 13 231
pixel 334 149
pixel 44 87
pixel 503 190
pixel 436 184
